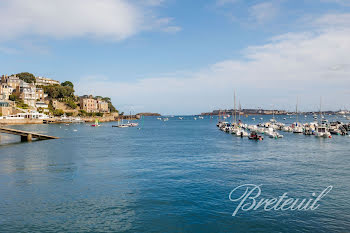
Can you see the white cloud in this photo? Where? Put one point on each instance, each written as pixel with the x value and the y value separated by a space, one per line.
pixel 264 12
pixel 305 64
pixel 107 19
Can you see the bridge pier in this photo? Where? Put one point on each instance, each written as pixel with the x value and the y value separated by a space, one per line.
pixel 27 138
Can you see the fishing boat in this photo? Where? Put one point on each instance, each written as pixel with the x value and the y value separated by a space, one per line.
pixel 322 131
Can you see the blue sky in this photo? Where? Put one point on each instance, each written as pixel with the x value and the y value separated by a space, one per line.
pixel 185 57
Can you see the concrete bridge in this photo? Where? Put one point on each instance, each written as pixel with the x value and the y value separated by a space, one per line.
pixel 26 136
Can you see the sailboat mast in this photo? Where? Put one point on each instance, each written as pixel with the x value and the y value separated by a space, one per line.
pixel 296 110
pixel 239 113
pixel 320 108
pixel 235 105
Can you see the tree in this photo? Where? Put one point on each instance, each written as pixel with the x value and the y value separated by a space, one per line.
pixel 59 91
pixel 26 77
pixel 13 97
pixel 70 103
pixel 58 112
pixel 111 107
pixel 67 84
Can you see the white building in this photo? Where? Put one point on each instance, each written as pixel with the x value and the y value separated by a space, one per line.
pixel 45 81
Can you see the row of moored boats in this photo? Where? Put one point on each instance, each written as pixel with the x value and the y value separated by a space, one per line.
pixel 273 128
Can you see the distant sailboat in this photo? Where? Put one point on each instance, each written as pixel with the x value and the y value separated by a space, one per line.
pixel 96 124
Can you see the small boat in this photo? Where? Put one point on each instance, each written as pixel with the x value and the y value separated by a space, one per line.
pixel 96 124
pixel 322 131
pixel 242 133
pixel 122 125
pixel 181 118
pixel 255 136
pixel 308 131
pixel 298 129
pixel 133 124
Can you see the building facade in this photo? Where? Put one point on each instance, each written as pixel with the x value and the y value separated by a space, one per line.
pixel 5 91
pixel 41 81
pixel 88 104
pixel 12 81
pixel 27 92
pixel 5 109
pixel 102 106
pixel 39 94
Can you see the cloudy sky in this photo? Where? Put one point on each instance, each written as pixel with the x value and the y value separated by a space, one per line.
pixel 185 57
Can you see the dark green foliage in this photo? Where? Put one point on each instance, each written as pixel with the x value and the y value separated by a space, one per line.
pixel 26 77
pixel 82 113
pixel 111 107
pixel 20 104
pixel 13 97
pixel 58 112
pixel 67 84
pixel 56 91
pixel 70 103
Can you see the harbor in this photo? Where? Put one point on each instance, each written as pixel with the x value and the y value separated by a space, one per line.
pixel 275 129
pixel 174 166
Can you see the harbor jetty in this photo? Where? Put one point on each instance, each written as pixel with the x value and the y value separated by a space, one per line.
pixel 26 136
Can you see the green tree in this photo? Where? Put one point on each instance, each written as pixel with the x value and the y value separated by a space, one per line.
pixel 70 103
pixel 56 92
pixel 26 77
pixel 67 84
pixel 58 112
pixel 13 97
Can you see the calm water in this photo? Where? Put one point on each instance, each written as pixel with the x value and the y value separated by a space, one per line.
pixel 172 176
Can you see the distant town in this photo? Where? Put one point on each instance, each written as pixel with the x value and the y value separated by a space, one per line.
pixel 29 96
pixel 266 112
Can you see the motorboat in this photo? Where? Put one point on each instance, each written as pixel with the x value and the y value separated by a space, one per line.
pixel 298 129
pixel 242 133
pixel 308 131
pixel 254 136
pixel 322 131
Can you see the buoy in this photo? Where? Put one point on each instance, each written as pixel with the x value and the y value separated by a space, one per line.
pixel 330 136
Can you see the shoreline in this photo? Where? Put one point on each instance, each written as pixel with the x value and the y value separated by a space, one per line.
pixel 57 120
